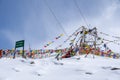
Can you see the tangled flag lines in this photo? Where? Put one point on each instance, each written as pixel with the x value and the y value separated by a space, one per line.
pixel 73 34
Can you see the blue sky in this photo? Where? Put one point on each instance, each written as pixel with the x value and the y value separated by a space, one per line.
pixel 32 21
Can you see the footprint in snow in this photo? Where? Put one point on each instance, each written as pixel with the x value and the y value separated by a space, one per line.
pixel 79 70
pixel 111 68
pixel 89 73
pixel 57 63
pixel 107 67
pixel 84 72
pixel 16 70
pixel 23 61
pixel 115 68
pixel 36 73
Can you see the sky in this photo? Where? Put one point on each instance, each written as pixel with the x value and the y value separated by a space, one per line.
pixel 32 20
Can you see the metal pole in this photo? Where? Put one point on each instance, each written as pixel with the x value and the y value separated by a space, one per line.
pixel 14 52
pixel 23 52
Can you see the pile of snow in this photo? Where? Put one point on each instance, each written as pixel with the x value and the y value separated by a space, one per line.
pixel 99 68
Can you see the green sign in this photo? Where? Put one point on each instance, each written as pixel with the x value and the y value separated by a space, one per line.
pixel 19 44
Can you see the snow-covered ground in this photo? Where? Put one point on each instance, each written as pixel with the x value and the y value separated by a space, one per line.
pixel 65 69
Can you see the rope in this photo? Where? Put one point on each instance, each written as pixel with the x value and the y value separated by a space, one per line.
pixel 55 17
pixel 81 13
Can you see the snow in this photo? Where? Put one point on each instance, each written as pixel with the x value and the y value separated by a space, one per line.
pixel 88 68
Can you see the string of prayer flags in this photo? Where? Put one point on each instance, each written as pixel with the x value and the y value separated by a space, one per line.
pixel 116 37
pixel 49 43
pixel 104 33
pixel 109 35
pixel 59 36
pixel 76 33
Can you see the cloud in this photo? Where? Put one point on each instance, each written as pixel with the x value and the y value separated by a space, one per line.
pixel 38 26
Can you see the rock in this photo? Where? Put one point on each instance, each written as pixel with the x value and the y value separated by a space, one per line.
pixel 115 68
pixel 39 74
pixel 32 62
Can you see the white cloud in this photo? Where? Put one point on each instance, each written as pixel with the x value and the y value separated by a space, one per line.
pixel 40 27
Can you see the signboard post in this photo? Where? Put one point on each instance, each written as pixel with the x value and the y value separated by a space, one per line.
pixel 19 44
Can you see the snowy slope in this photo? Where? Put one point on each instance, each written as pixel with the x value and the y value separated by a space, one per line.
pixel 65 69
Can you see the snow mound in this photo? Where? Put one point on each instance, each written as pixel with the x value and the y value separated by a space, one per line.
pixel 99 68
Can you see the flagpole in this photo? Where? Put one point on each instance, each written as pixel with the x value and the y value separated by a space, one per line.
pixel 23 49
pixel 14 52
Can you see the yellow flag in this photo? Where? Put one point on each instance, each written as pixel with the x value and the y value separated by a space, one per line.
pixel 61 34
pixel 13 49
pixel 49 42
pixel 21 51
pixel 33 51
pixel 72 40
pixel 86 32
